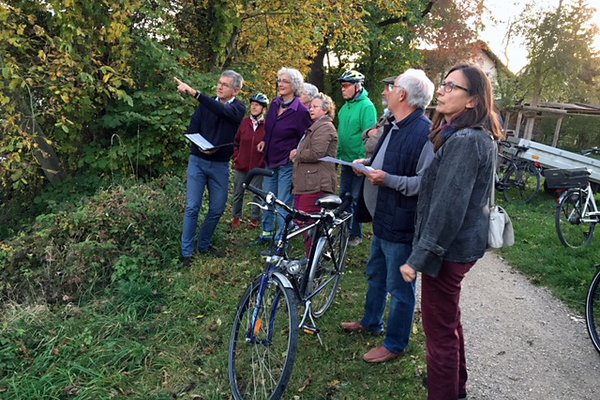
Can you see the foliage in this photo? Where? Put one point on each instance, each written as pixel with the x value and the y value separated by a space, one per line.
pixel 118 234
pixel 58 69
pixel 562 65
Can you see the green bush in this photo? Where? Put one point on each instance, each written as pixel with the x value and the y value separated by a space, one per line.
pixel 124 233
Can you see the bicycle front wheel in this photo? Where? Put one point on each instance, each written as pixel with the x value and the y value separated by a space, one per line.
pixel 572 232
pixel 327 268
pixel 522 183
pixel 262 353
pixel 592 310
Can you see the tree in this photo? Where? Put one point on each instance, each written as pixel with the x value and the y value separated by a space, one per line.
pixel 58 69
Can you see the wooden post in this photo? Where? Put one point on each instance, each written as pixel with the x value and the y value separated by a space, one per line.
pixel 518 126
pixel 557 132
pixel 529 127
pixel 506 120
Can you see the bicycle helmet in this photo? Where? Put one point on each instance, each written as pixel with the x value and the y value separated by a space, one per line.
pixel 352 76
pixel 260 98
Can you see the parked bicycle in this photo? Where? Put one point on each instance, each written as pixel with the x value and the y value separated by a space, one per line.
pixel 592 309
pixel 287 297
pixel 517 178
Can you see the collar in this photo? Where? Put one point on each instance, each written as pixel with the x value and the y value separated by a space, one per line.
pixel 294 104
pixel 228 101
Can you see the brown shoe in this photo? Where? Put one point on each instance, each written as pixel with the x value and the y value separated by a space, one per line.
pixel 236 223
pixel 353 327
pixel 253 224
pixel 380 355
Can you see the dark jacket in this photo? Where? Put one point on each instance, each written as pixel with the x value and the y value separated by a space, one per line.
pixel 394 218
pixel 453 212
pixel 245 154
pixel 310 174
pixel 284 131
pixel 218 123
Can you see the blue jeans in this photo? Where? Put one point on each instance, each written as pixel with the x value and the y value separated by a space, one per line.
pixel 352 183
pixel 201 174
pixel 383 273
pixel 280 185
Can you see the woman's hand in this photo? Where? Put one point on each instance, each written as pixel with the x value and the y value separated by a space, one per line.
pixel 293 154
pixel 408 273
pixel 261 146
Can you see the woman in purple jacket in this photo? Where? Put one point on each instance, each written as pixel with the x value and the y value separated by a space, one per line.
pixel 285 124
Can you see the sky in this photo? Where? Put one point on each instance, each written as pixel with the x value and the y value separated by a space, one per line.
pixel 503 12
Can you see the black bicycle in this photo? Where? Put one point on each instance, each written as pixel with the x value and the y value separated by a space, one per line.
pixel 519 179
pixel 287 297
pixel 592 309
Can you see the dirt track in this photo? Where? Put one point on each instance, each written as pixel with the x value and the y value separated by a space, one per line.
pixel 521 342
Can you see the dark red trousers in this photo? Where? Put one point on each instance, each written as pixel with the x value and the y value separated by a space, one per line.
pixel 306 203
pixel 446 366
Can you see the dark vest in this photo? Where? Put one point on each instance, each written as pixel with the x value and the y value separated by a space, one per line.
pixel 395 213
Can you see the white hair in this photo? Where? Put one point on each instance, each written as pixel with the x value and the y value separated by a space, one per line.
pixel 237 80
pixel 295 77
pixel 418 87
pixel 310 90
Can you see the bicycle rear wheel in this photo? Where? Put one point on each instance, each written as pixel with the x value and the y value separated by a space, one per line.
pixel 260 364
pixel 572 232
pixel 326 269
pixel 592 310
pixel 522 183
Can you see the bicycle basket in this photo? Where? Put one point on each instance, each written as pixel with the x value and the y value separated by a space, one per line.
pixel 566 178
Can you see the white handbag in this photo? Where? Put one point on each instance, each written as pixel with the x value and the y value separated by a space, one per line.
pixel 500 232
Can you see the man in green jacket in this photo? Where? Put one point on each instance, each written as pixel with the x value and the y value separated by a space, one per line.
pixel 356 115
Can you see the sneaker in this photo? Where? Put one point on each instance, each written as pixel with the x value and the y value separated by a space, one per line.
pixel 268 252
pixel 354 241
pixel 253 224
pixel 213 251
pixel 236 223
pixel 380 355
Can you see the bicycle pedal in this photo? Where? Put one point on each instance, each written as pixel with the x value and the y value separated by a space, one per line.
pixel 310 330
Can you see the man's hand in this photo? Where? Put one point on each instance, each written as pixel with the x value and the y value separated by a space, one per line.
pixel 293 154
pixel 359 161
pixel 372 132
pixel 408 273
pixel 184 88
pixel 376 177
pixel 260 146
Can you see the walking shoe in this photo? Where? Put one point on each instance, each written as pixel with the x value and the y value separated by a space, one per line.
pixel 236 223
pixel 380 355
pixel 186 262
pixel 352 327
pixel 253 224
pixel 264 238
pixel 268 252
pixel 213 251
pixel 354 241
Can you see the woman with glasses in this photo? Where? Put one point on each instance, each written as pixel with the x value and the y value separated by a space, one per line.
pixel 286 122
pixel 314 179
pixel 452 220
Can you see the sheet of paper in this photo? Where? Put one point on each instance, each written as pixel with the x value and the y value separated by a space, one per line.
pixel 199 141
pixel 357 166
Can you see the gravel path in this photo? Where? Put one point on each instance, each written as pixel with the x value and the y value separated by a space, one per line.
pixel 522 343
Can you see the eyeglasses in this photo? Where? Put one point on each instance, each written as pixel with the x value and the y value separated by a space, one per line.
pixel 391 86
pixel 284 81
pixel 224 84
pixel 450 86
pixel 346 85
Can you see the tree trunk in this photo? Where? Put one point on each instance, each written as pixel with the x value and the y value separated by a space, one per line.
pixel 316 75
pixel 47 158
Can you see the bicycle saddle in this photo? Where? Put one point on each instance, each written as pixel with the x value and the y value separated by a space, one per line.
pixel 329 202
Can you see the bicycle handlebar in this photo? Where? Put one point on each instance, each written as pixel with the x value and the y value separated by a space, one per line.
pixel 593 150
pixel 270 198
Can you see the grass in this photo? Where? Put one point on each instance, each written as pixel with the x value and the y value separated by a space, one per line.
pixel 543 259
pixel 163 333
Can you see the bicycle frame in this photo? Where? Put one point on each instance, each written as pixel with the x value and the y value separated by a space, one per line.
pixel 590 209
